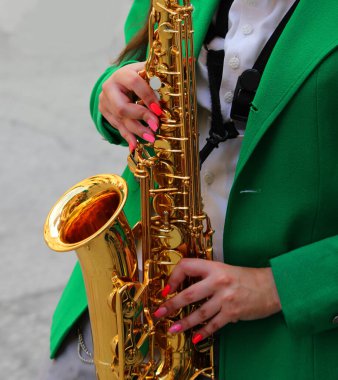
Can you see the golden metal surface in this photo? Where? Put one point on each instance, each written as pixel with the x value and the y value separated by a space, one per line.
pixel 171 180
pixel 88 218
pixel 128 343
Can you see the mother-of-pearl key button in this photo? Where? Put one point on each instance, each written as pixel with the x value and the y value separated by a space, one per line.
pixel 155 83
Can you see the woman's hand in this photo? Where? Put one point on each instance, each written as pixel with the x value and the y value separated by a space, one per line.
pixel 117 106
pixel 234 293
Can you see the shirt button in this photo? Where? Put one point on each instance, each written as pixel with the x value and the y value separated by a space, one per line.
pixel 335 320
pixel 229 96
pixel 234 62
pixel 209 178
pixel 247 29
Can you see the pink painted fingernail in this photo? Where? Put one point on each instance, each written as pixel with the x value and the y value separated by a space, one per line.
pixel 165 291
pixel 197 338
pixel 148 137
pixel 175 328
pixel 152 125
pixel 160 312
pixel 132 147
pixel 156 109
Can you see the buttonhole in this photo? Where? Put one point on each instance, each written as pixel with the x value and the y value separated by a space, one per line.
pixel 249 191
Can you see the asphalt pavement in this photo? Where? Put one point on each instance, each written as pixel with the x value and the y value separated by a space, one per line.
pixel 51 53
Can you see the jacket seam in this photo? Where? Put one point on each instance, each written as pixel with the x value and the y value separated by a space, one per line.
pixel 315 218
pixel 313 358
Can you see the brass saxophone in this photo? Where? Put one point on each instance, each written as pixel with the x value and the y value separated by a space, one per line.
pixel 128 342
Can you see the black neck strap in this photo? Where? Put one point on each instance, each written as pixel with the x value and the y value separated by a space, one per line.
pixel 247 83
pixel 249 80
pixel 220 26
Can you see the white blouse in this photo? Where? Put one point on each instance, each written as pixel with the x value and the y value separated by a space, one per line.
pixel 251 23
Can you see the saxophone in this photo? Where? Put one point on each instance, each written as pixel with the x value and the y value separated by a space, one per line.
pixel 128 342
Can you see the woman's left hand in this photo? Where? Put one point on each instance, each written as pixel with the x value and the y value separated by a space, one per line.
pixel 233 293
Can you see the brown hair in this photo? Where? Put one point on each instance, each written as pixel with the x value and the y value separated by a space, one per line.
pixel 137 46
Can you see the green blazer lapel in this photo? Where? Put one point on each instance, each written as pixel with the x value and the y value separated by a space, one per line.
pixel 307 39
pixel 201 18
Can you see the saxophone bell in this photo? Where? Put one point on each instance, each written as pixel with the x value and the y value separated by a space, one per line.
pixel 89 219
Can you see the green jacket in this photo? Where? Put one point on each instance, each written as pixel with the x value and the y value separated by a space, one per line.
pixel 283 206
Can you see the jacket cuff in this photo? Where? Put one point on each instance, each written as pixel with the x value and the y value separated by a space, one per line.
pixel 108 131
pixel 307 284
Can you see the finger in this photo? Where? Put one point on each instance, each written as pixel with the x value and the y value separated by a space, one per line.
pixel 138 66
pixel 121 106
pixel 125 125
pixel 128 136
pixel 134 82
pixel 136 112
pixel 135 127
pixel 187 268
pixel 211 327
pixel 129 79
pixel 206 311
pixel 193 293
pixel 114 100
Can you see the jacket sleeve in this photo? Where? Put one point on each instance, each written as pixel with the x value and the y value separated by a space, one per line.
pixel 135 21
pixel 307 277
pixel 307 284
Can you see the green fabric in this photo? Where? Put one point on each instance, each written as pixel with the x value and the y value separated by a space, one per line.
pixel 283 208
pixel 110 133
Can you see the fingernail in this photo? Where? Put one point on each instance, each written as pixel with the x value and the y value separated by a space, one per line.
pixel 160 312
pixel 132 147
pixel 197 338
pixel 156 109
pixel 175 328
pixel 152 125
pixel 165 291
pixel 148 137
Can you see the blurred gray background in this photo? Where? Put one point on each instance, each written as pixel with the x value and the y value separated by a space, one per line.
pixel 51 53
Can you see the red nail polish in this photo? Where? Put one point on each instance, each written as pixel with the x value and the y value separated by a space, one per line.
pixel 152 125
pixel 175 328
pixel 165 291
pixel 148 137
pixel 156 109
pixel 197 338
pixel 160 312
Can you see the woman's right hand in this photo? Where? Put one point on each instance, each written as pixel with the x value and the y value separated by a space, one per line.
pixel 118 108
